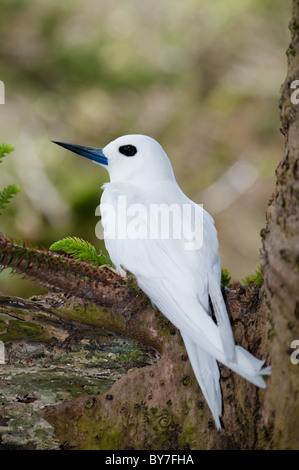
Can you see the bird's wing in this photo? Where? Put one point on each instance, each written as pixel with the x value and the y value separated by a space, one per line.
pixel 211 255
pixel 175 278
pixel 222 318
pixel 179 282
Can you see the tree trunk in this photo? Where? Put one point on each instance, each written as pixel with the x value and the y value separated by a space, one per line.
pixel 280 260
pixel 56 349
pixel 104 370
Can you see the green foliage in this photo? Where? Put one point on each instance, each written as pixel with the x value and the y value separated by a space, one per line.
pixel 7 193
pixel 5 149
pixel 82 250
pixel 225 278
pixel 257 278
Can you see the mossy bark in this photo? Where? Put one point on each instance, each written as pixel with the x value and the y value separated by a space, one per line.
pixel 51 358
pixel 148 399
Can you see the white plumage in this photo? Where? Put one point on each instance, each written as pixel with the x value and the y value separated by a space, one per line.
pixel 178 280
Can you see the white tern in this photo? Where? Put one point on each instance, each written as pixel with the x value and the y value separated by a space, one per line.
pixel 179 274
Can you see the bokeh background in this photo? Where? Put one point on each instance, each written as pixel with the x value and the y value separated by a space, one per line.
pixel 202 77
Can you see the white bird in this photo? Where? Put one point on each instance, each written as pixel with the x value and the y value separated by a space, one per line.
pixel 179 274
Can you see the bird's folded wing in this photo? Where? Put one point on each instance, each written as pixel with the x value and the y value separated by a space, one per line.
pixel 222 318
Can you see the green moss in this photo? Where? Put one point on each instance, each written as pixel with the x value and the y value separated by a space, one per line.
pixel 96 432
pixel 131 282
pixel 164 325
pixel 154 410
pixel 186 381
pixel 91 315
pixel 161 429
pixel 22 330
pixel 3 326
pixel 271 333
pixel 41 434
pixel 225 278
pixel 108 442
pixel 257 278
pixel 187 437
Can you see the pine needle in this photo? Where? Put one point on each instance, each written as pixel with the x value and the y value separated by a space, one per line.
pixel 225 278
pixel 5 149
pixel 257 278
pixel 6 194
pixel 82 250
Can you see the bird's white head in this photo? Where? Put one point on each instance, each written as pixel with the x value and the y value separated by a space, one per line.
pixel 131 158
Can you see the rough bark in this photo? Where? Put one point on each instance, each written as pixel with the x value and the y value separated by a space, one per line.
pixel 60 386
pixel 156 406
pixel 51 358
pixel 280 259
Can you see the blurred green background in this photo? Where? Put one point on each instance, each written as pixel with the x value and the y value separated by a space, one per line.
pixel 201 77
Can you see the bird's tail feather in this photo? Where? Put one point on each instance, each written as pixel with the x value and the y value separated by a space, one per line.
pixel 203 340
pixel 236 357
pixel 241 361
pixel 207 374
pixel 206 371
pixel 249 367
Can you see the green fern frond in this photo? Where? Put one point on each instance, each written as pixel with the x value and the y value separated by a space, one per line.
pixel 225 278
pixel 5 149
pixel 7 193
pixel 257 278
pixel 82 250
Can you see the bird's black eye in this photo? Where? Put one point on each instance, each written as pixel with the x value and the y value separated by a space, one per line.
pixel 128 150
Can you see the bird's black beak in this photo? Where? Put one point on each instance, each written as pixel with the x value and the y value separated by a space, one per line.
pixel 94 154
